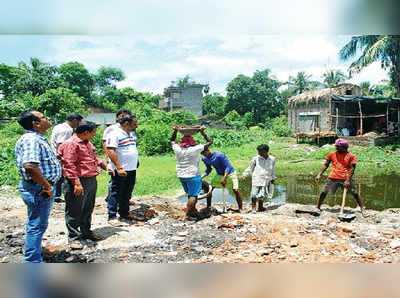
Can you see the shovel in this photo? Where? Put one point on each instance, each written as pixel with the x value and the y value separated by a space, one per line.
pixel 224 200
pixel 343 217
pixel 271 188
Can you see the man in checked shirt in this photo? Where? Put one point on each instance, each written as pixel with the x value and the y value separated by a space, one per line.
pixel 40 170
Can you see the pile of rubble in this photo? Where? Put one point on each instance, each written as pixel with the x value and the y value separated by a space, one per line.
pixel 281 234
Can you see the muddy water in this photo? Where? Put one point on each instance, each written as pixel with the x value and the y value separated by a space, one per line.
pixel 378 192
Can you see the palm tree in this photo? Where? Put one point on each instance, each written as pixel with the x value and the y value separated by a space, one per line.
pixel 383 48
pixel 365 87
pixel 300 83
pixel 333 77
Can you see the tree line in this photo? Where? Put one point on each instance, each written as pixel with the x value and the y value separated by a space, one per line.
pixel 249 100
pixel 58 90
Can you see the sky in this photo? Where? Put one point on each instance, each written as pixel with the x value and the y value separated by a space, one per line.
pixel 156 42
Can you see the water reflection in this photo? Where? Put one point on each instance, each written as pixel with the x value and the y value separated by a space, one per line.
pixel 378 192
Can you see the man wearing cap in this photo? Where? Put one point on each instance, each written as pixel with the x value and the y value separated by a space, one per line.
pixel 343 167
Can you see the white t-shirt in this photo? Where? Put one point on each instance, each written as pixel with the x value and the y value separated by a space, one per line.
pixel 125 145
pixel 188 158
pixel 61 133
pixel 110 129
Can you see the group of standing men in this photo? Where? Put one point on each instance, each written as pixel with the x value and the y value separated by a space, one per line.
pixel 71 159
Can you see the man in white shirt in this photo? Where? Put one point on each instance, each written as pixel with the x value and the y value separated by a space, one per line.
pixel 123 155
pixel 109 129
pixel 262 168
pixel 60 133
pixel 120 114
pixel 187 153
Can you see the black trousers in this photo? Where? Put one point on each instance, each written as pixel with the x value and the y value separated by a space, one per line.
pixel 79 209
pixel 121 192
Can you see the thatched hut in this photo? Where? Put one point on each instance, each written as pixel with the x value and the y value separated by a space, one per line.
pixel 341 111
pixel 311 111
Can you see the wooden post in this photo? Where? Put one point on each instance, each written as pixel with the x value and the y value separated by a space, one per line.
pixel 398 120
pixel 337 119
pixel 387 119
pixel 361 119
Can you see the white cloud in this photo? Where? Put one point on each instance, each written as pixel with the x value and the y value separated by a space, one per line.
pixel 151 62
pixel 373 73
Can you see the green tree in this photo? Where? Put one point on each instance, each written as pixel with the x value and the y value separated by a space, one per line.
pixel 258 94
pixel 142 97
pixel 183 82
pixel 108 76
pixel 37 77
pixel 333 77
pixel 58 103
pixel 77 78
pixel 9 75
pixel 383 48
pixel 214 104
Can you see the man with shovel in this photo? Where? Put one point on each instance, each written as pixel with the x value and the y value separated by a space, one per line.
pixel 221 163
pixel 343 167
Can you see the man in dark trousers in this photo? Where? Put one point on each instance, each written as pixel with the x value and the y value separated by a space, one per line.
pixel 80 168
pixel 343 167
pixel 123 156
pixel 40 170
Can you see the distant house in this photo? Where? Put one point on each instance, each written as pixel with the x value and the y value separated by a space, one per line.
pixel 341 111
pixel 189 98
pixel 101 118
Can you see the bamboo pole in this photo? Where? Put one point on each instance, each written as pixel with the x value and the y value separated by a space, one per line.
pixel 361 116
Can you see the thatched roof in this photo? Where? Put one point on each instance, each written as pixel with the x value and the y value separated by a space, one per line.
pixel 323 95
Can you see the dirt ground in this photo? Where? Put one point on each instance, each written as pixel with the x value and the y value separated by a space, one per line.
pixel 287 233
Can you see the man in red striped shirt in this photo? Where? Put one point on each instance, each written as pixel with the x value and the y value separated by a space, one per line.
pixel 80 167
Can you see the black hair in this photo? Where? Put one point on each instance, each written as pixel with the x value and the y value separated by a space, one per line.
pixel 86 126
pixel 129 119
pixel 26 118
pixel 121 111
pixel 74 117
pixel 263 147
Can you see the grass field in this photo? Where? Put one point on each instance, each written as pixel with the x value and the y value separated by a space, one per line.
pixel 156 174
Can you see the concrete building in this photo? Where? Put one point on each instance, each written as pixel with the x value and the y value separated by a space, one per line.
pixel 189 98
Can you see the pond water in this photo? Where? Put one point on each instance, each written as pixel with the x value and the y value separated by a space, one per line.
pixel 378 192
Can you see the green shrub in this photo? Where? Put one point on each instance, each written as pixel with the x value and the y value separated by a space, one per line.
pixel 280 127
pixel 109 106
pixel 234 120
pixel 154 139
pixel 9 134
pixel 97 140
pixel 12 107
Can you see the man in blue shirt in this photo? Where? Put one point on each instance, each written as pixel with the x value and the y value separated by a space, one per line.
pixel 40 170
pixel 221 163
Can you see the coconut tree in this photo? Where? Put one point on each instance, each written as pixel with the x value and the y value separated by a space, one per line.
pixel 300 83
pixel 383 48
pixel 365 86
pixel 333 77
